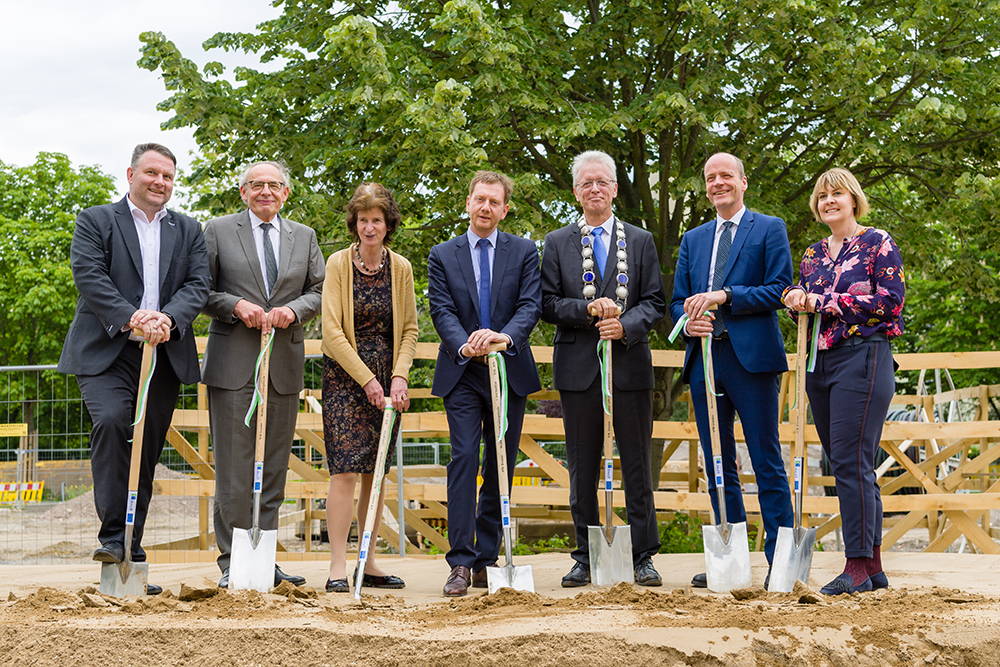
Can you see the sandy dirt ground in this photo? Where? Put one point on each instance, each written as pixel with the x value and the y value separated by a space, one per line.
pixel 940 609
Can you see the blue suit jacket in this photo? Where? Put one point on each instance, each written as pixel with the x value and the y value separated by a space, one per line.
pixel 758 271
pixel 515 306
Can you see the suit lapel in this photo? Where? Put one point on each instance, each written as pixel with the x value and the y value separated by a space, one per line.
pixel 500 256
pixel 742 232
pixel 287 247
pixel 126 226
pixel 169 235
pixel 244 231
pixel 608 281
pixel 464 258
pixel 703 258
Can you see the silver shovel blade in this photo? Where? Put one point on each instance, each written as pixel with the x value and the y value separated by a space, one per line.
pixel 610 562
pixel 252 568
pixel 498 577
pixel 793 555
pixel 121 579
pixel 727 563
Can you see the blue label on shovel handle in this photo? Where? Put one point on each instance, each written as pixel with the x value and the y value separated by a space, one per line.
pixel 258 475
pixel 609 474
pixel 717 460
pixel 133 497
pixel 365 541
pixel 505 510
pixel 798 474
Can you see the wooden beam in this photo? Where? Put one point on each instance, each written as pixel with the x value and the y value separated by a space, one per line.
pixel 203 468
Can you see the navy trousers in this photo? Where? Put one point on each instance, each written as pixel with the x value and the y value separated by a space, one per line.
pixel 474 533
pixel 850 392
pixel 754 397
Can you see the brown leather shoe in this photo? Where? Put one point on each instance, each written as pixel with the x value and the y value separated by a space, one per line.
pixel 458 582
pixel 480 578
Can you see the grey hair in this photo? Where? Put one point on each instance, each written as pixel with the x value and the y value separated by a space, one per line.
pixel 142 149
pixel 286 175
pixel 600 157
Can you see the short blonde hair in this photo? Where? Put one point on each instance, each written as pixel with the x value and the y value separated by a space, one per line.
pixel 839 178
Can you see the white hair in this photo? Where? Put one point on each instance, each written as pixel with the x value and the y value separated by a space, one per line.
pixel 286 175
pixel 588 157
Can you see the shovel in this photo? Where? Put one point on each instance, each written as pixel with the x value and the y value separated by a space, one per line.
pixel 610 545
pixel 519 578
pixel 388 417
pixel 727 550
pixel 252 562
pixel 793 550
pixel 126 577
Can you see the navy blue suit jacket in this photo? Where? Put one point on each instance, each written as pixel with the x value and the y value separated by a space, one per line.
pixel 515 306
pixel 758 271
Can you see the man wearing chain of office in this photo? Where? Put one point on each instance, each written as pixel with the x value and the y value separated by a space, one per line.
pixel 604 264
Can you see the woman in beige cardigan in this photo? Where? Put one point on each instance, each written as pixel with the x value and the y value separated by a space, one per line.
pixel 369 337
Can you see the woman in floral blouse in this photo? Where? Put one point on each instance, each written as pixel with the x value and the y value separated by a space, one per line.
pixel 853 280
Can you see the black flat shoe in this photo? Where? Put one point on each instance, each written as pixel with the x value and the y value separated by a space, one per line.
pixel 699 581
pixel 153 589
pixel 337 586
pixel 375 581
pixel 293 579
pixel 844 583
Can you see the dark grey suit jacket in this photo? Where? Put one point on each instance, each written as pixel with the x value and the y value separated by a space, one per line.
pixel 107 270
pixel 574 362
pixel 235 269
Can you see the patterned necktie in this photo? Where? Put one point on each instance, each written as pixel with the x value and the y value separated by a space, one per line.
pixel 269 262
pixel 600 252
pixel 721 257
pixel 484 283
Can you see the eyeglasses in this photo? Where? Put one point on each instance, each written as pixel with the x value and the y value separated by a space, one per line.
pixel 586 185
pixel 257 186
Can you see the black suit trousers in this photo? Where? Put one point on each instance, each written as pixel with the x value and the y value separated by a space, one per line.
pixel 110 399
pixel 583 420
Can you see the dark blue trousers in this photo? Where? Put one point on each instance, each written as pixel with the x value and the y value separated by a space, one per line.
pixel 754 397
pixel 474 533
pixel 849 393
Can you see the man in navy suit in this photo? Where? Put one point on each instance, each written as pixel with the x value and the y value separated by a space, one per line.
pixel 741 263
pixel 483 288
pixel 137 265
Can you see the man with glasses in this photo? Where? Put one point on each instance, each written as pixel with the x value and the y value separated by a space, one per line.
pixel 740 262
pixel 266 274
pixel 602 263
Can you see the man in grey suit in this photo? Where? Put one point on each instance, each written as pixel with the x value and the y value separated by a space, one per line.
pixel 267 273
pixel 137 265
pixel 603 263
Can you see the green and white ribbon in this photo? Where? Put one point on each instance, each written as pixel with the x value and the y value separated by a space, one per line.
pixel 814 344
pixel 604 356
pixel 502 371
pixel 706 350
pixel 144 390
pixel 257 397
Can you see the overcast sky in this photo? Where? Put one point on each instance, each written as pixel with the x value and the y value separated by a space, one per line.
pixel 71 84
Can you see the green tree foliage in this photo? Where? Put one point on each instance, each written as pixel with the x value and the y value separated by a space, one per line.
pixel 417 94
pixel 38 206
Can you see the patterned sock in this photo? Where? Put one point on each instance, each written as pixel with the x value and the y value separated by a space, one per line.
pixel 857 568
pixel 875 562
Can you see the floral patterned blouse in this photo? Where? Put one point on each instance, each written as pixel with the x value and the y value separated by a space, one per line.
pixel 862 290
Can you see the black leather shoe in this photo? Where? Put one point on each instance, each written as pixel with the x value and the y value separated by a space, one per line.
pixel 646 574
pixel 224 582
pixel 699 581
pixel 337 586
pixel 293 579
pixel 112 552
pixel 578 576
pixel 153 589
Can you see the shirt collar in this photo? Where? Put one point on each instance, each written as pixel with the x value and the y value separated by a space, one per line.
pixel 608 225
pixel 474 237
pixel 256 222
pixel 160 214
pixel 735 219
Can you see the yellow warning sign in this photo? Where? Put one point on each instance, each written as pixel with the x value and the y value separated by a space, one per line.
pixel 13 430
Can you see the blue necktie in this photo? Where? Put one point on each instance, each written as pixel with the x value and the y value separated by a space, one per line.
pixel 484 283
pixel 600 253
pixel 721 257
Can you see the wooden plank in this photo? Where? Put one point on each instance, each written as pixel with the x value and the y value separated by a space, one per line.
pixel 552 466
pixel 426 531
pixel 180 444
pixel 897 532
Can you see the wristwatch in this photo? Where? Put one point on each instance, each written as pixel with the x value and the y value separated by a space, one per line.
pixel 729 295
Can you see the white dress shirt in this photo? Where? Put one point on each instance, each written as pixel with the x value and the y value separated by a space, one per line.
pixel 719 226
pixel 258 239
pixel 149 248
